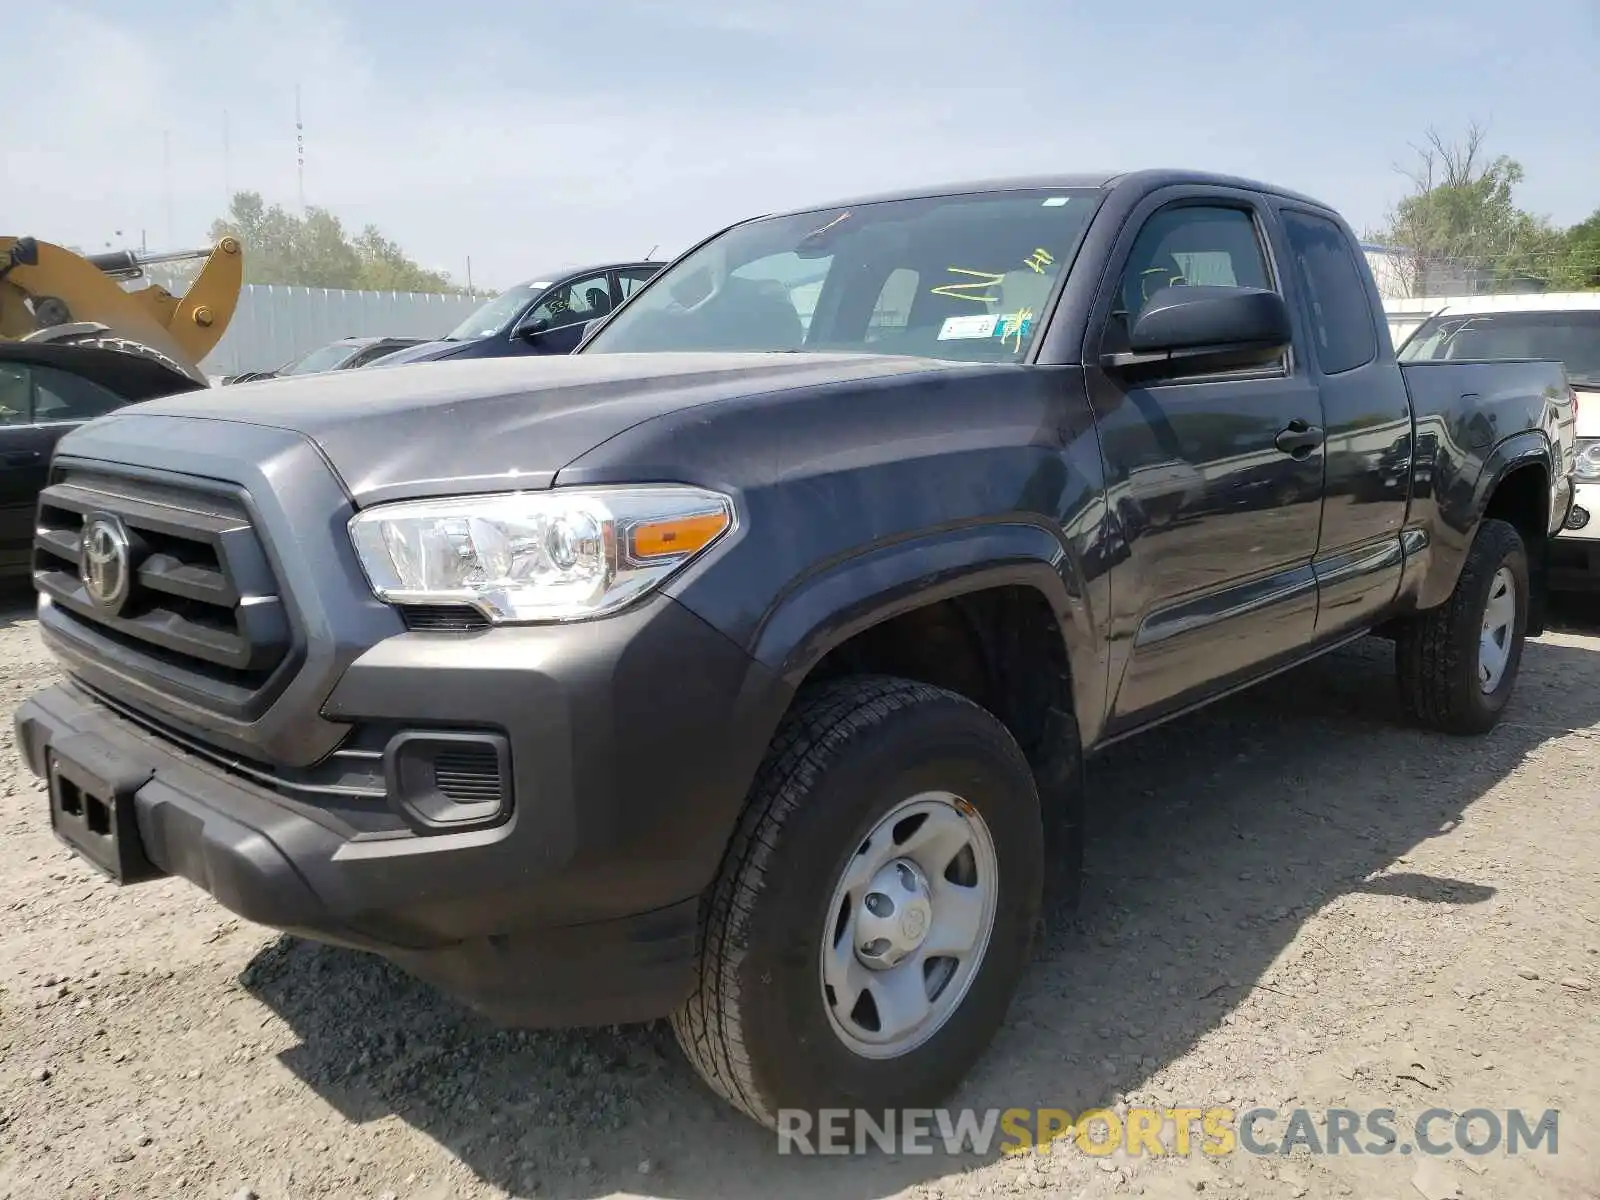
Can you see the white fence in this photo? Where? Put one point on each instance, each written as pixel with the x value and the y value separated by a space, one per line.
pixel 275 324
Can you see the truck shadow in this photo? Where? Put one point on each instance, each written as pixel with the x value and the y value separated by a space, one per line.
pixel 17 600
pixel 1205 859
pixel 1574 612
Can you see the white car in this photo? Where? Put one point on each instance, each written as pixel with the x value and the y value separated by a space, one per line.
pixel 1557 325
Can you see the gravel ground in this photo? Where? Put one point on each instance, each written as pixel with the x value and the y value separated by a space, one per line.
pixel 1293 902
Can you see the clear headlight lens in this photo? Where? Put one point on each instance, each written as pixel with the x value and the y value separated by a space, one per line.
pixel 1588 468
pixel 537 556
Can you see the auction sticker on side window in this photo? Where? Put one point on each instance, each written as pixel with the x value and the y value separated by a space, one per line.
pixel 980 325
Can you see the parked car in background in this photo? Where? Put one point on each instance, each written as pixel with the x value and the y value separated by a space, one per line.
pixel 343 355
pixel 1563 326
pixel 46 391
pixel 546 315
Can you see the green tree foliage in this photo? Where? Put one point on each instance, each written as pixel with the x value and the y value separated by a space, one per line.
pixel 1580 268
pixel 1460 225
pixel 315 250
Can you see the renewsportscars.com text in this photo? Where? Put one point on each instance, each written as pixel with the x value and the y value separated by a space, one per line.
pixel 1181 1131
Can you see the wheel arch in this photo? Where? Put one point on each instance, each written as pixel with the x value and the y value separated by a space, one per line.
pixel 994 612
pixel 1514 485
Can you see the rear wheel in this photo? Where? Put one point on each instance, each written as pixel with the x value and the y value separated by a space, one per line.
pixel 875 909
pixel 1457 664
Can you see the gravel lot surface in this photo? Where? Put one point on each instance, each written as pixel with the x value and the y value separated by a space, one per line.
pixel 1292 902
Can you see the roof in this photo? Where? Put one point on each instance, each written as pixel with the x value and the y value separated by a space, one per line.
pixel 1529 302
pixel 566 273
pixel 1082 180
pixel 371 340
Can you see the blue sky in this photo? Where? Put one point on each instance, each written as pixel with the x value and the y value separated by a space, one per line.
pixel 605 127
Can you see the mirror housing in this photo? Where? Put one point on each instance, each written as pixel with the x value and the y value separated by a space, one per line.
pixel 559 339
pixel 1207 328
pixel 530 327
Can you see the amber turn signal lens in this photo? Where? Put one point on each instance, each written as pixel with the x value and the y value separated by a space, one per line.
pixel 682 535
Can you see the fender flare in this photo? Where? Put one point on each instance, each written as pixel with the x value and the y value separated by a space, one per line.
pixel 829 605
pixel 1459 520
pixel 1527 446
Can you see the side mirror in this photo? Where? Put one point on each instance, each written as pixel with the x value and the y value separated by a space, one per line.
pixel 531 328
pixel 1204 327
pixel 562 339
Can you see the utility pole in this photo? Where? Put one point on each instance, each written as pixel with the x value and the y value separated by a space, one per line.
pixel 227 164
pixel 300 148
pixel 166 170
pixel 469 274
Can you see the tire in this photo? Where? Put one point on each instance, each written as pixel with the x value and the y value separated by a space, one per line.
pixel 849 754
pixel 1438 658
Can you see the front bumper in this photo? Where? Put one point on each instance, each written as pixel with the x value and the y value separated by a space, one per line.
pixel 1575 552
pixel 631 743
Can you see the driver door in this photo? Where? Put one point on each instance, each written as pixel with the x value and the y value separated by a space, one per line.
pixel 555 325
pixel 1221 524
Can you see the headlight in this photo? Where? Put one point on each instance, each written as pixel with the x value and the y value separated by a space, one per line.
pixel 537 556
pixel 1588 468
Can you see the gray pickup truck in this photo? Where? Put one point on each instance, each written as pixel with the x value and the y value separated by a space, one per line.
pixel 740 666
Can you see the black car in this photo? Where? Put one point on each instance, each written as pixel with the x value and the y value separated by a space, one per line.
pixel 46 391
pixel 544 315
pixel 342 355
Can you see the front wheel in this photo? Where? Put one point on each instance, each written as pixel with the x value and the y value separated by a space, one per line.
pixel 875 909
pixel 1457 664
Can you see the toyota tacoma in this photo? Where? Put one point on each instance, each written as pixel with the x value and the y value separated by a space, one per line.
pixel 739 667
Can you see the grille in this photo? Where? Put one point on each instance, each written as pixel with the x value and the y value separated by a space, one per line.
pixel 442 618
pixel 468 775
pixel 201 612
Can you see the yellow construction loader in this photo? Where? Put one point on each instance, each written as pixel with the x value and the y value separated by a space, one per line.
pixel 69 312
pixel 76 345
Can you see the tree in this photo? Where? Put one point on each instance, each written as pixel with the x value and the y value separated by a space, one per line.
pixel 1580 264
pixel 315 251
pixel 1460 225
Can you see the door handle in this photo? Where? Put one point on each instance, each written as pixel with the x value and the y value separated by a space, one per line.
pixel 19 458
pixel 1298 439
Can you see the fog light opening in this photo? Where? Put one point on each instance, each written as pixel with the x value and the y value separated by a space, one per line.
pixel 1578 517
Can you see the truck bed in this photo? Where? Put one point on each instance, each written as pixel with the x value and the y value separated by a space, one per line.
pixel 1492 391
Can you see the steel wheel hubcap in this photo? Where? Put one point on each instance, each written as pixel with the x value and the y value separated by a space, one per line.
pixel 908 924
pixel 1499 622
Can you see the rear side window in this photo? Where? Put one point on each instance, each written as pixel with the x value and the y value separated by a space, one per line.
pixel 1340 308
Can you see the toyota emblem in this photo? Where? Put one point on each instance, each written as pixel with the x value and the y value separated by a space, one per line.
pixel 103 561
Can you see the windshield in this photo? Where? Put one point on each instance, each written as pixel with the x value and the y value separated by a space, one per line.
pixel 327 358
pixel 956 277
pixel 1572 338
pixel 498 313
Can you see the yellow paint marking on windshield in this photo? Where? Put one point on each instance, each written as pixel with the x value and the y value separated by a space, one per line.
pixel 816 233
pixel 1039 260
pixel 977 291
pixel 1014 325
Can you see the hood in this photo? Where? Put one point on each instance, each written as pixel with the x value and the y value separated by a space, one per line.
pixel 487 424
pixel 131 375
pixel 422 352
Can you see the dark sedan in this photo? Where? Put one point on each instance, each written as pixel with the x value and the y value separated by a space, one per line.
pixel 343 355
pixel 544 315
